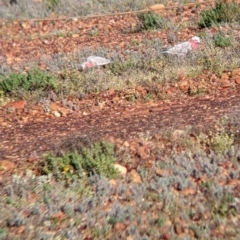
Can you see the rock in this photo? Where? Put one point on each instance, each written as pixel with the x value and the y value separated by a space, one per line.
pixel 56 114
pixel 157 7
pixel 6 165
pixel 129 238
pixel 225 77
pixel 171 91
pixel 188 191
pixel 113 182
pixel 59 216
pixel 16 104
pixel 225 83
pixel 21 229
pixel 162 172
pixel 122 170
pixel 135 177
pixel 63 111
pixel 119 226
pixel 237 79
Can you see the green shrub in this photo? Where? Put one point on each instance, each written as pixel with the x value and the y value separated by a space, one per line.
pixel 53 4
pixel 223 12
pixel 32 81
pixel 119 67
pixel 98 158
pixel 220 40
pixel 151 20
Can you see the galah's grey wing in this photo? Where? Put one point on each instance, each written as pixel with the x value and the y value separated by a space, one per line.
pixel 98 60
pixel 180 49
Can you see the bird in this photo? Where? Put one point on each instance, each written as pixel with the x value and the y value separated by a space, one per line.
pixel 93 61
pixel 182 49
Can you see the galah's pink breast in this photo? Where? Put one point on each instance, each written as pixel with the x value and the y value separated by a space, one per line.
pixel 90 64
pixel 194 45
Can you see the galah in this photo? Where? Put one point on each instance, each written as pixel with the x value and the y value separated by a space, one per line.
pixel 93 61
pixel 182 49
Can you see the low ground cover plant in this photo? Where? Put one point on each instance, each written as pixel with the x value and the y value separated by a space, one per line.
pixel 97 158
pixel 34 80
pixel 222 12
pixel 182 193
pixel 151 20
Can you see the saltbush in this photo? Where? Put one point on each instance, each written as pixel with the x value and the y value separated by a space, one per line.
pixel 97 158
pixel 223 12
pixel 32 81
pixel 220 40
pixel 151 20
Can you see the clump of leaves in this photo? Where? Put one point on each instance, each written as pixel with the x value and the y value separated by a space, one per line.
pixel 97 158
pixel 223 12
pixel 151 20
pixel 220 40
pixel 34 80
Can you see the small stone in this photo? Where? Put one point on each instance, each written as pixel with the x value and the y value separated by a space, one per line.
pixel 225 77
pixel 157 7
pixel 225 83
pixel 237 79
pixel 6 165
pixel 113 182
pixel 119 226
pixel 63 111
pixel 58 216
pixel 56 114
pixel 188 191
pixel 21 229
pixel 122 170
pixel 75 35
pixel 129 238
pixel 17 104
pixel 135 177
pixel 24 25
pixel 162 172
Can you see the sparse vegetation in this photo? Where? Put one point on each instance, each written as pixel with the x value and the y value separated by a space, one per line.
pixel 220 40
pixel 95 159
pixel 35 80
pixel 53 4
pixel 223 12
pixel 151 20
pixel 175 183
pixel 162 194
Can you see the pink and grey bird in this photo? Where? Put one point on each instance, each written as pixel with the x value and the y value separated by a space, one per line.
pixel 93 61
pixel 182 49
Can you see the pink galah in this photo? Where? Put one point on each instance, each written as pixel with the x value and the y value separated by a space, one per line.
pixel 182 49
pixel 93 61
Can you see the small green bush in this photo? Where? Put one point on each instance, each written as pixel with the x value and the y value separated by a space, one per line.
pixel 53 4
pixel 98 158
pixel 151 20
pixel 220 40
pixel 32 81
pixel 223 12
